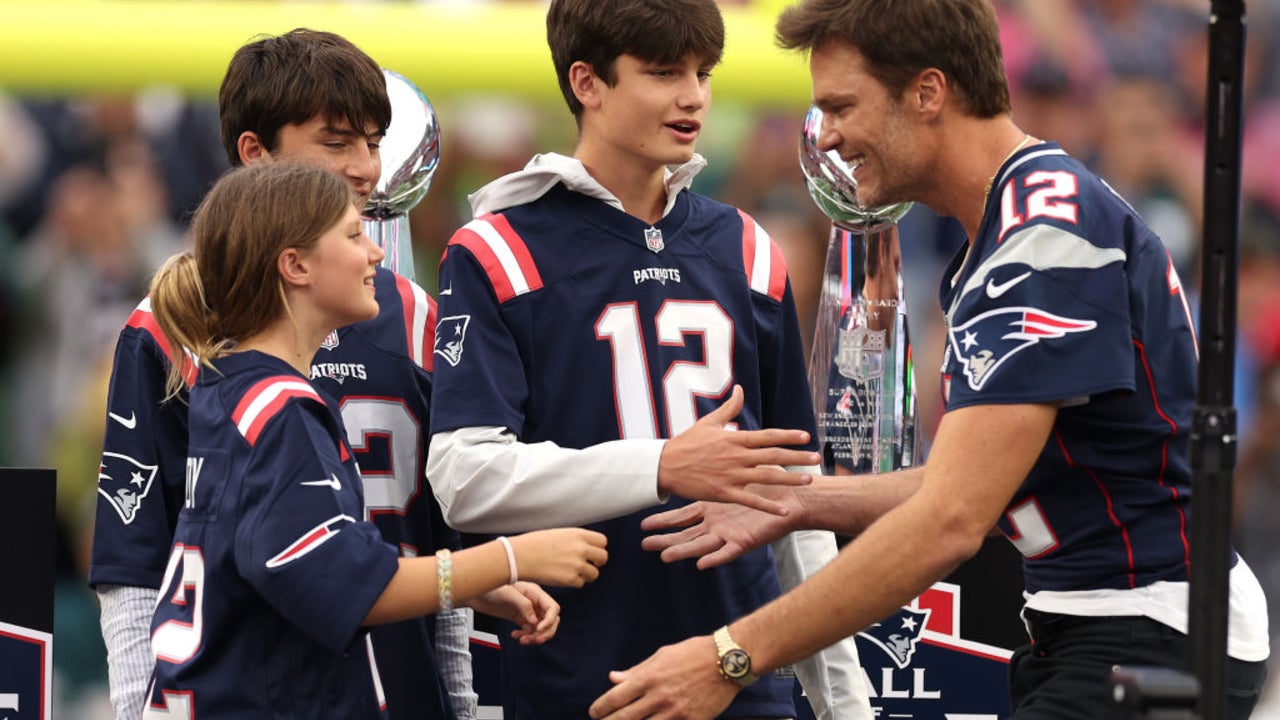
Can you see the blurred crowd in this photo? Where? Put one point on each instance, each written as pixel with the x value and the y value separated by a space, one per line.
pixel 95 192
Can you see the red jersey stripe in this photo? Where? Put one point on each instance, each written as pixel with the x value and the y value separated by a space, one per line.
pixel 264 400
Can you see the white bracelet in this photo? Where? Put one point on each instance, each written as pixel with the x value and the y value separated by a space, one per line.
pixel 511 558
pixel 444 579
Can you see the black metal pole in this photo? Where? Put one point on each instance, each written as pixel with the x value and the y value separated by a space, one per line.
pixel 1213 435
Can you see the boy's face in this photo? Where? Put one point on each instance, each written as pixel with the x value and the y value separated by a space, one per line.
pixel 653 112
pixel 335 146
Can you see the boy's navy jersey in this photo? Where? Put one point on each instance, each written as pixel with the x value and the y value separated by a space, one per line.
pixel 552 308
pixel 377 375
pixel 272 570
pixel 1068 297
pixel 144 455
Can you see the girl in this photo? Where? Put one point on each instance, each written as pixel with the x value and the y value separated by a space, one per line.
pixel 272 576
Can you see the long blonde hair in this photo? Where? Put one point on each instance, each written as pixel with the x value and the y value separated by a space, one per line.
pixel 228 288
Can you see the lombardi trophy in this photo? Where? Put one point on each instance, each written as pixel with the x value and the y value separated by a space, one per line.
pixel 410 155
pixel 860 367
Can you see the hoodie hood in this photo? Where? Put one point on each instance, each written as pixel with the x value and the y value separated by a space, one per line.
pixel 545 170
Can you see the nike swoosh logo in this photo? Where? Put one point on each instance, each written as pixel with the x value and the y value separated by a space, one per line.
pixel 332 481
pixel 447 291
pixel 995 290
pixel 129 422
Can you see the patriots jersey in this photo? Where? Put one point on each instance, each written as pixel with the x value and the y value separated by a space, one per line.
pixel 376 375
pixel 140 480
pixel 1066 296
pixel 567 320
pixel 272 570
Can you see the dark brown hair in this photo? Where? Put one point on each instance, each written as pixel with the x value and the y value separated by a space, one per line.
pixel 901 38
pixel 288 79
pixel 659 31
pixel 228 288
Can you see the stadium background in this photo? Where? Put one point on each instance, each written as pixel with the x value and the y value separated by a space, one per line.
pixel 108 137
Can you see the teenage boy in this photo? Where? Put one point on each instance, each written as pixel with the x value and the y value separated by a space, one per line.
pixel 592 312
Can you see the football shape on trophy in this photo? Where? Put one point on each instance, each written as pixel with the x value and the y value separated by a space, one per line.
pixel 410 151
pixel 830 182
pixel 410 154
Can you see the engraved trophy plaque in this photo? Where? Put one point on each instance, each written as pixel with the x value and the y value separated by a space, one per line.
pixel 410 155
pixel 860 367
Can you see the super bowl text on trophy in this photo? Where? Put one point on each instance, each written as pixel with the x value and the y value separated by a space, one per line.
pixel 860 367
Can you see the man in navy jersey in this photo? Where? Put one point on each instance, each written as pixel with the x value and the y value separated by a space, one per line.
pixel 592 312
pixel 1069 379
pixel 314 97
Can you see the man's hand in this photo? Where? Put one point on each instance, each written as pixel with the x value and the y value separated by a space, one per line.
pixel 708 462
pixel 526 604
pixel 716 533
pixel 679 682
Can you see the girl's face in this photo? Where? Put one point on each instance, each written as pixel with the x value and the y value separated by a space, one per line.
pixel 344 261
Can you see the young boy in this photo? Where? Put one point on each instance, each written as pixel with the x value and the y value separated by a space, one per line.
pixel 312 97
pixel 590 314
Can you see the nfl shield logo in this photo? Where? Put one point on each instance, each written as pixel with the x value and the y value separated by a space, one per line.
pixel 330 341
pixel 653 239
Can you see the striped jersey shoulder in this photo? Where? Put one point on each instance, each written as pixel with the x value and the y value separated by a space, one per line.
pixel 265 400
pixel 418 315
pixel 144 321
pixel 762 259
pixel 502 253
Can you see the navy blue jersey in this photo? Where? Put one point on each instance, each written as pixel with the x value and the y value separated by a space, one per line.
pixel 272 571
pixel 144 456
pixel 376 374
pixel 567 320
pixel 1068 297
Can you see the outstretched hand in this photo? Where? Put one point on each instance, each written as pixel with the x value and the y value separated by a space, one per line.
pixel 716 533
pixel 710 462
pixel 679 682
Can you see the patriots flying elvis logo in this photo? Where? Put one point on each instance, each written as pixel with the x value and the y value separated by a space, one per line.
pixel 450 334
pixel 984 343
pixel 124 482
pixel 898 634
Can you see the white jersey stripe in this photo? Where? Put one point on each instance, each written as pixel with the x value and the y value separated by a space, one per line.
pixel 762 265
pixel 266 397
pixel 510 266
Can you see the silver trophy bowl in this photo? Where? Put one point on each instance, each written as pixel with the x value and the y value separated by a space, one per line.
pixel 410 151
pixel 830 182
pixel 410 154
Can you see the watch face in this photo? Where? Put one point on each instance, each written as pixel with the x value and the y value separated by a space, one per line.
pixel 736 664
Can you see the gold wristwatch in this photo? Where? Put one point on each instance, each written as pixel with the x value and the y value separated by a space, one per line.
pixel 734 663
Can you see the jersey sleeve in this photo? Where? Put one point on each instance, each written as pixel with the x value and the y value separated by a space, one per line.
pixel 301 542
pixel 479 378
pixel 1045 298
pixel 141 476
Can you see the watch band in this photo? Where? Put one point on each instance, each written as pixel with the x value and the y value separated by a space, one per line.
pixel 734 662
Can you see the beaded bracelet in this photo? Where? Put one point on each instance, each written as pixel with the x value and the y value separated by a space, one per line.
pixel 444 578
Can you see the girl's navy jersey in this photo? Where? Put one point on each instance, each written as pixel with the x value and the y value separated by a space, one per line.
pixel 566 320
pixel 1067 297
pixel 376 374
pixel 272 570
